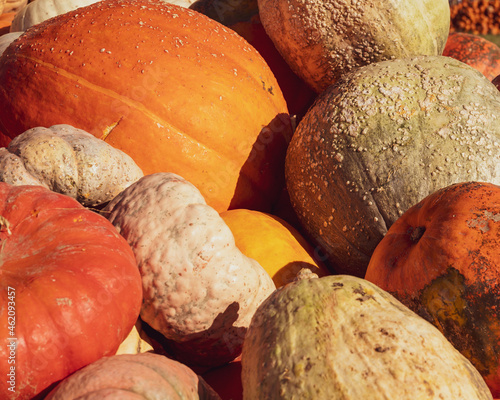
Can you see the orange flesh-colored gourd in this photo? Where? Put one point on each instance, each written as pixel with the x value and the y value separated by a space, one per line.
pixel 274 243
pixel 170 87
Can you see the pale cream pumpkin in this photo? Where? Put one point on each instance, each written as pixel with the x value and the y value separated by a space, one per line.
pixel 7 39
pixel 200 290
pixel 70 161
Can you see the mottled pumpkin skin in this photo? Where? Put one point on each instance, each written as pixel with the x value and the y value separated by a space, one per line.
pixel 274 244
pixel 322 40
pixel 383 138
pixel 178 93
pixel 442 259
pixel 475 51
pixel 134 377
pixel 343 338
pixel 71 282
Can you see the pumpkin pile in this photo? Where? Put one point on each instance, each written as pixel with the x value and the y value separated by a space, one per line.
pixel 248 199
pixel 479 17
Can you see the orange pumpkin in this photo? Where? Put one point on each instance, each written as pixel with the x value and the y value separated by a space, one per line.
pixel 475 51
pixel 298 94
pixel 5 21
pixel 178 92
pixel 441 259
pixel 274 243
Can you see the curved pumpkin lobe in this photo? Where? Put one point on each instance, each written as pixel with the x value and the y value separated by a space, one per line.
pixel 175 90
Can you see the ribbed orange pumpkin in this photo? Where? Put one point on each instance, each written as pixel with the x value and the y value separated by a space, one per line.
pixel 274 243
pixel 170 87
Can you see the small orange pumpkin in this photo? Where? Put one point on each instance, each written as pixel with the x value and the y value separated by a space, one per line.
pixel 441 259
pixel 5 21
pixel 274 243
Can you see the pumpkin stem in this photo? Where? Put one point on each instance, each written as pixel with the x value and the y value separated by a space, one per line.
pixel 417 233
pixel 4 223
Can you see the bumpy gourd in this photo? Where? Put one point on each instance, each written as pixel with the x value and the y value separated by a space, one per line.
pixel 383 138
pixel 343 338
pixel 200 291
pixel 322 40
pixel 68 161
pixel 134 377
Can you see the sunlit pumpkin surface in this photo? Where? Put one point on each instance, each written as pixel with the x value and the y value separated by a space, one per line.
pixel 173 89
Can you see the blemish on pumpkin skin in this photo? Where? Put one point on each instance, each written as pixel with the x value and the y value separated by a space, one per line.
pixel 64 301
pixel 482 222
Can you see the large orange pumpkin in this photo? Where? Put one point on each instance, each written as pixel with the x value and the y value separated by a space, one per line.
pixel 441 258
pixel 172 88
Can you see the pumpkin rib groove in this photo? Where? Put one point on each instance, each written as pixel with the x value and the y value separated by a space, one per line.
pixel 129 102
pixel 158 371
pixel 124 99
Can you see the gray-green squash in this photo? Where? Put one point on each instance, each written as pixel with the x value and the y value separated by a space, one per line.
pixel 341 337
pixel 379 141
pixel 323 39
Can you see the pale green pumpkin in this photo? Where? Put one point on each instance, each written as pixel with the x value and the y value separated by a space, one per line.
pixel 342 338
pixel 379 141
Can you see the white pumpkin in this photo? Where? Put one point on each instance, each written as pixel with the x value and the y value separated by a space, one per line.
pixel 7 39
pixel 200 291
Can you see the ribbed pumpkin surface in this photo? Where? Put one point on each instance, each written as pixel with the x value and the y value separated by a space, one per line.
pixel 172 88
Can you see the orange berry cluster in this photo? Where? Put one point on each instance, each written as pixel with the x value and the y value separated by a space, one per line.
pixel 480 17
